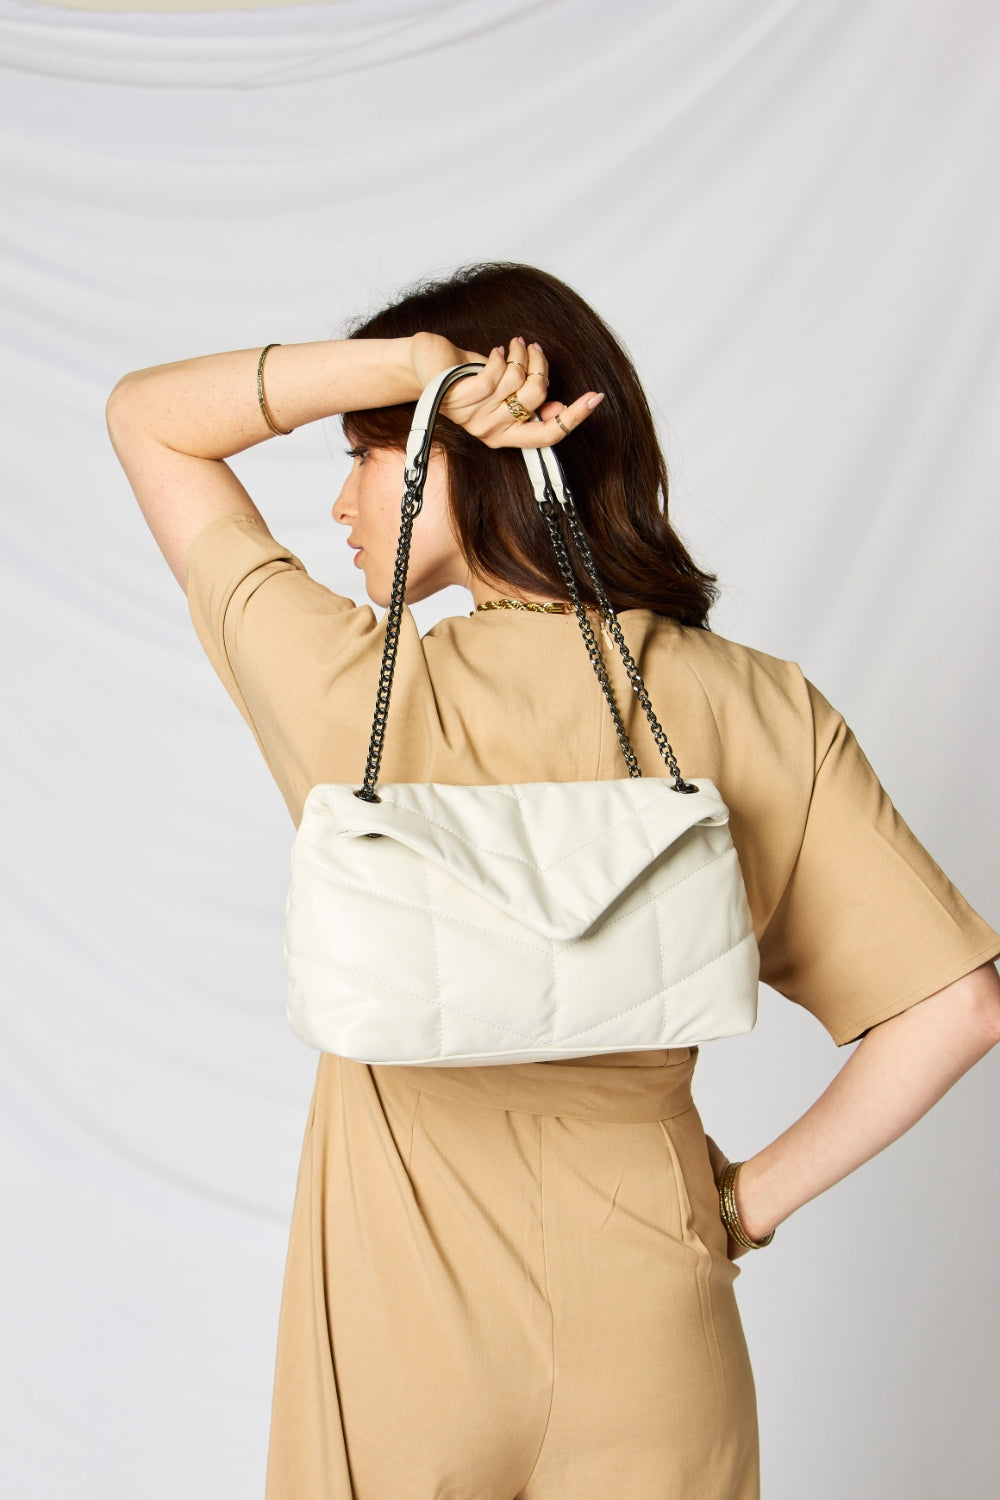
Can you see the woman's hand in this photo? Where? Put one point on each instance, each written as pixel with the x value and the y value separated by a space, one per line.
pixel 720 1161
pixel 479 403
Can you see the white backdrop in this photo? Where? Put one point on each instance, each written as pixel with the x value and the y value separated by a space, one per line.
pixel 788 209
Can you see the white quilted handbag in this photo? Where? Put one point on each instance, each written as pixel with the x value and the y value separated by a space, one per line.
pixel 451 925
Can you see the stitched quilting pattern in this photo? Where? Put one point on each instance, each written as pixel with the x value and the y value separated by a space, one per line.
pixel 554 854
pixel 618 919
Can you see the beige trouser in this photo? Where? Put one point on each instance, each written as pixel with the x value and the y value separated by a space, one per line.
pixel 510 1283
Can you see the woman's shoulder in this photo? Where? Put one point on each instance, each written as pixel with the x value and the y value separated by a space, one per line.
pixel 729 672
pixel 705 676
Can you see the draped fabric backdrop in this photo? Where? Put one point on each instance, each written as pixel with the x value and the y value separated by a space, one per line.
pixel 789 212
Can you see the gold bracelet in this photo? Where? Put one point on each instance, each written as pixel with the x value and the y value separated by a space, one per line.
pixel 279 431
pixel 729 1213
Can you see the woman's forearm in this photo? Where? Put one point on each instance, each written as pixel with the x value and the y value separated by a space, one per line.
pixel 895 1074
pixel 207 407
pixel 173 426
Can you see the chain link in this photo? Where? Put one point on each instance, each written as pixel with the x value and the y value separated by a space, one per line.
pixel 409 510
pixel 590 640
pixel 634 675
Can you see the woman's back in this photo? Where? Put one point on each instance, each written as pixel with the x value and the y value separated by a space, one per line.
pixel 852 916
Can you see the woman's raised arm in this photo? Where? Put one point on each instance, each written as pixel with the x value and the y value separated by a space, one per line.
pixel 173 426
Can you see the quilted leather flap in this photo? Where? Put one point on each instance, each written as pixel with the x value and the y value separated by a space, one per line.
pixel 553 855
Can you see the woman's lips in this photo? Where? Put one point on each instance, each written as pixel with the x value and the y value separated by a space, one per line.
pixel 357 556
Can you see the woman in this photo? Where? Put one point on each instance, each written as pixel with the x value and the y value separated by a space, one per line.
pixel 514 1281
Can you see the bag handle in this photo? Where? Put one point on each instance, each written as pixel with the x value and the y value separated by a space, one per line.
pixel 553 497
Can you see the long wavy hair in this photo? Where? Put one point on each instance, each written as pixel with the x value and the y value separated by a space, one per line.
pixel 614 465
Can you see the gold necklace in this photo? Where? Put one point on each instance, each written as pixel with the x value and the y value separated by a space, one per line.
pixel 558 607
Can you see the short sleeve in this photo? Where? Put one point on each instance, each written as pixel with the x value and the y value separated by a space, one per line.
pixel 867 924
pixel 300 662
pixel 229 560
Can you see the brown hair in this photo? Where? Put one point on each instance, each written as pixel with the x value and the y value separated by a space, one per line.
pixel 613 464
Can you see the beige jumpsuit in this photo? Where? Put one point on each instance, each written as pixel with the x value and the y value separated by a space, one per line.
pixel 511 1283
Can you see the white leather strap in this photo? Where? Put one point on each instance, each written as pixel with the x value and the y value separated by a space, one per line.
pixel 546 475
pixel 544 469
pixel 418 444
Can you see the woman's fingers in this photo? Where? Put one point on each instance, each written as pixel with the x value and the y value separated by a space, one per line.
pixel 551 423
pixel 527 374
pixel 524 374
pixel 555 422
pixel 470 399
pixel 506 404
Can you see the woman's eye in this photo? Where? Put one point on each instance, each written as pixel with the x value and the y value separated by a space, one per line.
pixel 359 453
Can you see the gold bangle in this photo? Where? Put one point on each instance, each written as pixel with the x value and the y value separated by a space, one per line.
pixel 729 1213
pixel 278 431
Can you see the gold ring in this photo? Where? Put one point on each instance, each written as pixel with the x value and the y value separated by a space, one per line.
pixel 518 412
pixel 519 365
pixel 566 430
pixel 537 375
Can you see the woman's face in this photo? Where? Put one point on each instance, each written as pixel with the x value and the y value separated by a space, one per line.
pixel 369 504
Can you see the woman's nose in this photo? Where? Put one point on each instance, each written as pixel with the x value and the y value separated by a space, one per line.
pixel 344 510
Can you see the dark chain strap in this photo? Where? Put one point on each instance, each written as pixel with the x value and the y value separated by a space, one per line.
pixel 614 627
pixel 589 638
pixel 410 508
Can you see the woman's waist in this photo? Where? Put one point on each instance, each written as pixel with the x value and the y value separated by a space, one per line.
pixel 622 1087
